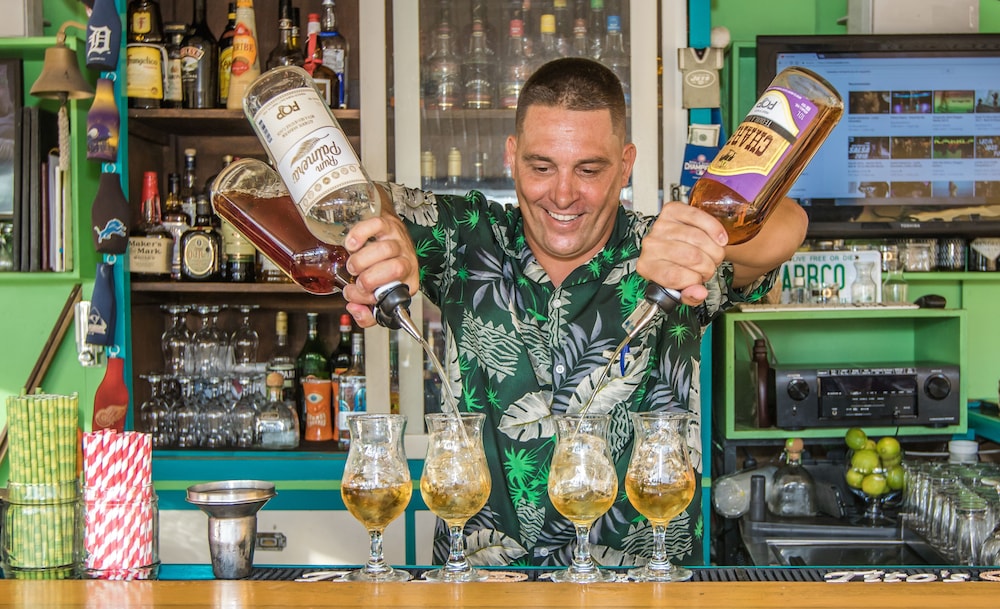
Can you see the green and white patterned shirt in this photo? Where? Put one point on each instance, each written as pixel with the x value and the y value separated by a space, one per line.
pixel 520 349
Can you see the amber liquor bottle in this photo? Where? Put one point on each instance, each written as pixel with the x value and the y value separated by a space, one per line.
pixel 201 247
pixel 145 55
pixel 151 245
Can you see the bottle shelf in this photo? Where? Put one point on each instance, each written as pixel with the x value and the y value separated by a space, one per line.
pixel 219 288
pixel 216 121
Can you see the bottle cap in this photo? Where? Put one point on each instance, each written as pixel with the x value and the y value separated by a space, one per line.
pixel 275 379
pixel 548 25
pixel 454 162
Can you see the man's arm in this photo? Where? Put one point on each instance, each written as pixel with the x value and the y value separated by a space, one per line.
pixel 777 240
pixel 685 246
pixel 381 252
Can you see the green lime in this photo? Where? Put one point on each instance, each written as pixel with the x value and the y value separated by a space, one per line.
pixel 865 461
pixel 896 477
pixel 870 444
pixel 854 478
pixel 874 485
pixel 888 448
pixel 887 463
pixel 855 438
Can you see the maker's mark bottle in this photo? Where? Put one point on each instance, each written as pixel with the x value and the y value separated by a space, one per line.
pixel 761 160
pixel 311 152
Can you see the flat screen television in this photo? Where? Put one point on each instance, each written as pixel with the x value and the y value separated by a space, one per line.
pixel 917 151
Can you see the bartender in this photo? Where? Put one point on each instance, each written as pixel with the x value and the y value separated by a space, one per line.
pixel 534 298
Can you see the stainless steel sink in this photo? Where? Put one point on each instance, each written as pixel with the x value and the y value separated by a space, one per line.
pixel 830 542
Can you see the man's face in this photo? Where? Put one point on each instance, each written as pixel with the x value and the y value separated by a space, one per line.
pixel 569 168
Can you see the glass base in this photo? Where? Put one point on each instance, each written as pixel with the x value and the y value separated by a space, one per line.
pixel 392 575
pixel 577 576
pixel 465 575
pixel 671 574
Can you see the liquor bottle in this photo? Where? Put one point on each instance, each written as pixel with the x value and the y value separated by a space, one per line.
pixel 201 247
pixel 580 45
pixel 352 388
pixel 294 39
pixel 442 86
pixel 277 423
pixel 189 181
pixel 615 57
pixel 336 52
pixel 245 67
pixel 761 160
pixel 173 89
pixel 546 50
pixel 428 169
pixel 284 53
pixel 454 168
pixel 479 70
pixel 226 55
pixel 516 67
pixel 281 360
pixel 322 75
pixel 151 244
pixel 598 21
pixel 564 28
pixel 340 357
pixel 200 55
pixel 176 221
pixel 209 187
pixel 793 492
pixel 311 361
pixel 329 185
pixel 145 55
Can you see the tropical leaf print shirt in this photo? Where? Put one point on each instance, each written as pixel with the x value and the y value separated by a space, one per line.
pixel 521 349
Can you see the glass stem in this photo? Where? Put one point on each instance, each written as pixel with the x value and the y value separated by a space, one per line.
pixel 659 560
pixel 376 562
pixel 456 555
pixel 582 562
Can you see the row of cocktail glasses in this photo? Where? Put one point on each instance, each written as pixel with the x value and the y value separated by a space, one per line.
pixel 455 485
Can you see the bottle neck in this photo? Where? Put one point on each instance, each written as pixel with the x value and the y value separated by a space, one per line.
pixel 274 393
pixel 199 13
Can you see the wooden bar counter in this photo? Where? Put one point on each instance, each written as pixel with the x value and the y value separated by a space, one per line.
pixel 286 594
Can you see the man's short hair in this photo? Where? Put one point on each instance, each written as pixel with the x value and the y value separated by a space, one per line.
pixel 573 83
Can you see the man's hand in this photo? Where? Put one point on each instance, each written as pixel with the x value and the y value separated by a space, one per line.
pixel 380 252
pixel 682 250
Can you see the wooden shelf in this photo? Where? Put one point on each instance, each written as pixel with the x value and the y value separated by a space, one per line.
pixel 217 121
pixel 169 287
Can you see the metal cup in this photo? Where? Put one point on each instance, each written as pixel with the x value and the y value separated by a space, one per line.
pixel 232 507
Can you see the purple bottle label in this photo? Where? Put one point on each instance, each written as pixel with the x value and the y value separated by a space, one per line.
pixel 762 141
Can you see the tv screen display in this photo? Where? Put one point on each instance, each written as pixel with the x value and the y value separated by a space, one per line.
pixel 917 151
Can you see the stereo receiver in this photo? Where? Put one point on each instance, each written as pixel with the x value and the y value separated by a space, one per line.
pixel 921 393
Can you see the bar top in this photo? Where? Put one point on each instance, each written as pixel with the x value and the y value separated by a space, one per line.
pixel 93 594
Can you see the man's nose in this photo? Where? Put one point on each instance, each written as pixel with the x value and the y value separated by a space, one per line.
pixel 565 188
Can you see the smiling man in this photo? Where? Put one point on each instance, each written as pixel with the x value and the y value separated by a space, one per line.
pixel 533 298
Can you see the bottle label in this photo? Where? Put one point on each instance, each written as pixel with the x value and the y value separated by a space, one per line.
pixel 762 140
pixel 150 255
pixel 313 155
pixel 334 58
pixel 142 23
pixel 233 243
pixel 200 255
pixel 144 70
pixel 316 394
pixel 244 49
pixel 172 89
pixel 325 89
pixel 225 64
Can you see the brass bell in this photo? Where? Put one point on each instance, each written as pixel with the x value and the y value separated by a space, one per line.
pixel 60 77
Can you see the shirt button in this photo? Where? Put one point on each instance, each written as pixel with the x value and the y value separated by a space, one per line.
pixel 560 368
pixel 556 302
pixel 543 552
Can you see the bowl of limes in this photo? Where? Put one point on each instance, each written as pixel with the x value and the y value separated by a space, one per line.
pixel 874 472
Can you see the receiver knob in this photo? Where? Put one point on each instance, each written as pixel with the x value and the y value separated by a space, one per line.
pixel 798 389
pixel 937 386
